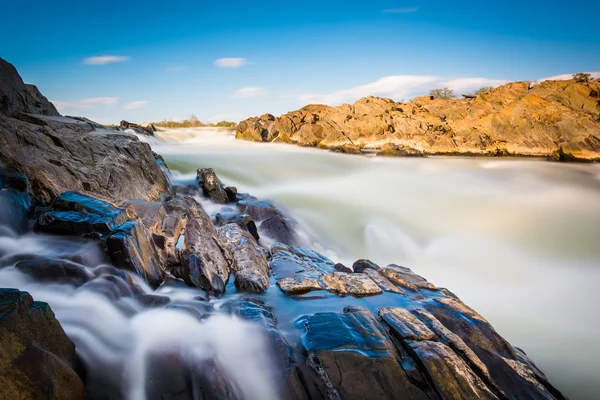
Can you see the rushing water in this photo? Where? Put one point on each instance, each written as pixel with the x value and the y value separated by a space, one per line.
pixel 516 239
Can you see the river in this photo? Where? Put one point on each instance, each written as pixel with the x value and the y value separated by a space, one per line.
pixel 516 239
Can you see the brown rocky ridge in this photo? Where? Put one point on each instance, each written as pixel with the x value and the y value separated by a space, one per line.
pixel 559 120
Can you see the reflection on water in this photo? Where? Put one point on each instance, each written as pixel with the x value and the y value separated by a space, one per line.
pixel 517 239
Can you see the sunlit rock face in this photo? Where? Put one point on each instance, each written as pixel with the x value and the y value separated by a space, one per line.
pixel 555 119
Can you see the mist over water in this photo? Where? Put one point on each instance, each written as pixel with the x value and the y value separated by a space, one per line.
pixel 516 239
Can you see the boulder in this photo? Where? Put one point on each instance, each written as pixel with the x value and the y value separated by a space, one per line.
pixel 342 268
pixel 362 265
pixel 144 128
pixel 249 263
pixel 293 286
pixel 38 359
pixel 258 209
pixel 131 247
pixel 404 277
pixel 350 357
pixel 211 185
pixel 244 221
pixel 280 229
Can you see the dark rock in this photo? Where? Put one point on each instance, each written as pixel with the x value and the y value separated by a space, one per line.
pixel 78 214
pixel 38 359
pixel 151 213
pixel 139 128
pixel 14 199
pixel 350 357
pixel 152 300
pixel 131 247
pixel 342 268
pixel 231 193
pixel 279 229
pixel 211 185
pixel 54 270
pixel 249 263
pixel 244 221
pixel 258 209
pixel 361 265
pixel 16 97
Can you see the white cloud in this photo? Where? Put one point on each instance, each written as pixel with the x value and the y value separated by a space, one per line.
pixel 468 84
pixel 564 77
pixel 230 62
pixel 253 91
pixel 134 105
pixel 85 103
pixel 397 87
pixel 101 60
pixel 405 10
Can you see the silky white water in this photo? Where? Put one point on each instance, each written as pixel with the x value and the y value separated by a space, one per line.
pixel 516 239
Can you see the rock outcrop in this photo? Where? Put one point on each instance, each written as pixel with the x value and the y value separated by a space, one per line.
pixel 555 119
pixel 38 359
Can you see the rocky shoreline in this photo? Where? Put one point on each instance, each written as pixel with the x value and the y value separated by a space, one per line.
pixel 557 120
pixel 72 178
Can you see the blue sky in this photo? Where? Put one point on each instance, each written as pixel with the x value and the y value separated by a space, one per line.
pixel 144 60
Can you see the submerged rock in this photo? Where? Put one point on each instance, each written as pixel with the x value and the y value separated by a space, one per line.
pixel 38 359
pixel 54 270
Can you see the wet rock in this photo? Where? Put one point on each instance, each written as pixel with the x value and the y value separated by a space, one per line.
pixel 205 265
pixel 362 265
pixel 249 263
pixel 231 193
pixel 14 199
pixel 292 286
pixel 298 262
pixel 151 213
pixel 354 284
pixel 152 300
pixel 244 221
pixel 78 214
pixel 451 376
pixel 350 357
pixel 381 281
pixel 405 278
pixel 38 359
pixel 131 247
pixel 405 325
pixel 258 209
pixel 138 128
pixel 211 185
pixel 54 270
pixel 280 229
pixel 342 268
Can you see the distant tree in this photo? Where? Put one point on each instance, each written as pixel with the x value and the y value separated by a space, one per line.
pixel 582 77
pixel 483 89
pixel 444 93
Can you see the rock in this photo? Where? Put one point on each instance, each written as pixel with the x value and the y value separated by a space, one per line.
pixel 146 130
pixel 362 265
pixel 38 359
pixel 14 199
pixel 293 286
pixel 279 229
pixel 554 119
pixel 382 281
pixel 298 262
pixel 131 247
pixel 342 268
pixel 405 278
pixel 77 214
pixel 244 221
pixel 350 357
pixel 54 270
pixel 205 265
pixel 148 125
pixel 355 284
pixel 258 209
pixel 151 213
pixel 231 193
pixel 250 265
pixel 393 150
pixel 17 98
pixel 211 185
pixel 405 325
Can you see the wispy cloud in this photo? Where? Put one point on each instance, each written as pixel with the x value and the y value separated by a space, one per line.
pixel 564 77
pixel 253 91
pixel 230 62
pixel 399 87
pixel 101 60
pixel 134 105
pixel 86 103
pixel 405 10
